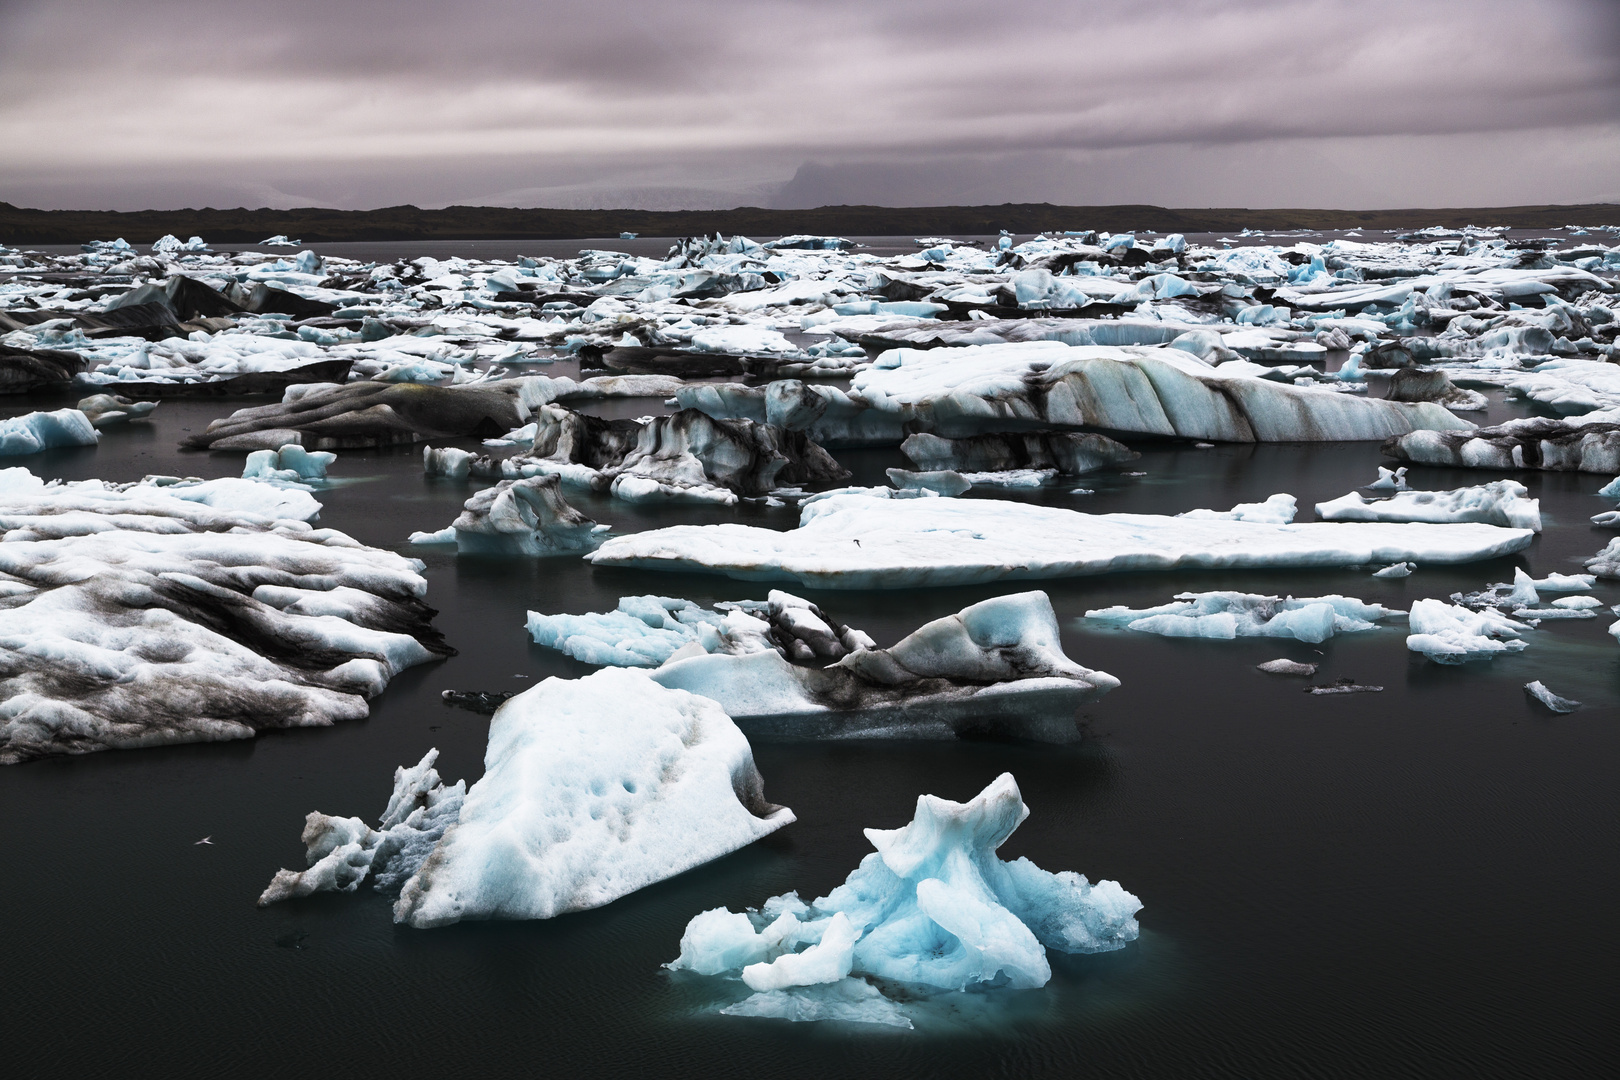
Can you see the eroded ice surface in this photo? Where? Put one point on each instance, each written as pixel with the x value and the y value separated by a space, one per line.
pixel 36 431
pixel 853 541
pixel 997 665
pixel 341 852
pixel 1230 615
pixel 519 517
pixel 1501 502
pixel 933 910
pixel 592 788
pixel 1450 634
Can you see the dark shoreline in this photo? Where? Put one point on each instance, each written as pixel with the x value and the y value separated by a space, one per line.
pixel 19 225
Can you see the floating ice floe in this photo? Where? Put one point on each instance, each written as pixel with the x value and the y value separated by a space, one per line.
pixel 646 631
pixel 144 614
pixel 1448 634
pixel 519 517
pixel 994 666
pixel 1389 481
pixel 290 464
pixel 1285 666
pixel 934 911
pixel 1396 570
pixel 592 788
pixel 1231 615
pixel 341 852
pixel 855 541
pixel 107 410
pixel 1606 563
pixel 1501 502
pixel 1552 701
pixel 36 431
pixel 1276 510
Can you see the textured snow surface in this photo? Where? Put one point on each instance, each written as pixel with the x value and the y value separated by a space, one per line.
pixel 1230 615
pixel 138 615
pixel 997 665
pixel 857 542
pixel 341 852
pixel 933 910
pixel 592 788
pixel 1501 502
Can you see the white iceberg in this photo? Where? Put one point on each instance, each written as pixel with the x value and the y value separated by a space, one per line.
pixel 1501 502
pixel 994 666
pixel 1448 634
pixel 1231 615
pixel 933 910
pixel 592 788
pixel 854 541
pixel 108 410
pixel 1539 691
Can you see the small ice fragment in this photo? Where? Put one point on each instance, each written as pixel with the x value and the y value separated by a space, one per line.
pixel 1389 481
pixel 1082 491
pixel 1548 698
pixel 1287 667
pixel 1565 582
pixel 1611 490
pixel 1203 446
pixel 1396 570
pixel 1578 603
pixel 1346 685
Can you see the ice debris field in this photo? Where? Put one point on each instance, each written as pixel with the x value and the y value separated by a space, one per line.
pixel 740 381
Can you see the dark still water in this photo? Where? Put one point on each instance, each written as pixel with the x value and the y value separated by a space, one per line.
pixel 1414 883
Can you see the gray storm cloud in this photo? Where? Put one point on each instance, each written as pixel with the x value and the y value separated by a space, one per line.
pixel 704 104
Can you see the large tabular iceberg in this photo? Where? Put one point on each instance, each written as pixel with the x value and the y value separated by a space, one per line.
pixel 1167 392
pixel 592 788
pixel 933 910
pixel 135 616
pixel 997 666
pixel 1501 502
pixel 853 541
pixel 1229 615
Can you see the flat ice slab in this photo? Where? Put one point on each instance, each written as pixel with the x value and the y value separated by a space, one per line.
pixel 858 542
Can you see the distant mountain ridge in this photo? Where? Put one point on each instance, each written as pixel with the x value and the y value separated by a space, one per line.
pixel 20 225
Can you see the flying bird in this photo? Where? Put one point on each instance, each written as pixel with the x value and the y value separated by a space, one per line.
pixel 209 840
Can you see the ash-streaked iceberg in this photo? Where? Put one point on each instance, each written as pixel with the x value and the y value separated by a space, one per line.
pixel 646 631
pixel 995 666
pixel 933 911
pixel 592 788
pixel 135 616
pixel 1231 615
pixel 519 517
pixel 855 541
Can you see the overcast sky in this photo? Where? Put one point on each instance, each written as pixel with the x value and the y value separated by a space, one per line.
pixel 664 104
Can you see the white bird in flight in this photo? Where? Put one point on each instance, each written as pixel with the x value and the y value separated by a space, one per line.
pixel 209 840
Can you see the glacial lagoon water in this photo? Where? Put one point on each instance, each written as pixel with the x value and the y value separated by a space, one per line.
pixel 1414 882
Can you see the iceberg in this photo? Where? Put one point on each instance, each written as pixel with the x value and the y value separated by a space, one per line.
pixel 1501 502
pixel 290 464
pixel 592 788
pixel 1552 701
pixel 1150 391
pixel 519 517
pixel 933 911
pixel 1448 634
pixel 341 852
pixel 1068 453
pixel 36 431
pixel 855 541
pixel 994 666
pixel 137 617
pixel 646 631
pixel 1231 615
pixel 107 410
pixel 1606 563
pixel 1558 445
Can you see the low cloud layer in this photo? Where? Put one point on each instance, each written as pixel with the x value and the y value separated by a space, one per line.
pixel 708 104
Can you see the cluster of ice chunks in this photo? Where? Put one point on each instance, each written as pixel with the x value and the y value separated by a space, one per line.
pixel 933 910
pixel 1230 615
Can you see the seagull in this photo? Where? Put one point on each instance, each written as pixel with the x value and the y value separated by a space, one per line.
pixel 209 840
pixel 857 543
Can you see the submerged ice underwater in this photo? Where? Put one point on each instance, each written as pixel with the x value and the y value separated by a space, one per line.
pixel 760 592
